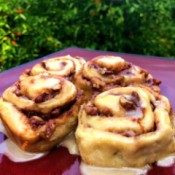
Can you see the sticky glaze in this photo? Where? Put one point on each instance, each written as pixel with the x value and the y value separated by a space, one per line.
pixel 8 148
pixel 90 170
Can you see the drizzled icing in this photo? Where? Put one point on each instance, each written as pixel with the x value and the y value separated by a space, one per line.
pixel 90 170
pixel 15 154
pixel 70 143
pixel 2 129
pixel 112 61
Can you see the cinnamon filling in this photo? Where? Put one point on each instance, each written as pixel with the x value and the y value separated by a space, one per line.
pixel 45 96
pixel 127 104
pixel 144 72
pixel 40 98
pixel 55 113
pixel 38 119
pixel 95 86
pixel 18 92
pixel 17 89
pixel 105 71
pixel 131 133
pixel 71 73
pixel 154 81
pixel 27 72
pixel 130 104
pixel 152 106
pixel 36 122
pixel 115 75
pixel 43 64
pixel 91 110
pixel 63 64
pixel 127 133
pixel 50 126
pixel 127 70
pixel 94 111
pixel 46 122
pixel 98 85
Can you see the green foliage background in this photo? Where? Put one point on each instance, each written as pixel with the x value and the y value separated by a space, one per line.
pixel 30 29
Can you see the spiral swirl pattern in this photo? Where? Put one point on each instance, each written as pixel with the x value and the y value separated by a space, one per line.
pixel 39 111
pixel 104 72
pixel 64 66
pixel 125 126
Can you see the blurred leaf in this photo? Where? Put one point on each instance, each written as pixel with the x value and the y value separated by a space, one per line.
pixel 139 26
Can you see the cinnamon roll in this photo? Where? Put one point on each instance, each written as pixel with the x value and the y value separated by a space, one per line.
pixel 125 127
pixel 39 111
pixel 105 72
pixel 64 66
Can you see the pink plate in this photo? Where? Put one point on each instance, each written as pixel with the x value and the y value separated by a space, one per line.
pixel 59 161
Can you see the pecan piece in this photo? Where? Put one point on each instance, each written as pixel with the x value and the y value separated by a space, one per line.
pixel 36 122
pixel 18 92
pixel 91 110
pixel 50 127
pixel 40 98
pixel 44 97
pixel 127 104
pixel 27 72
pixel 106 112
pixel 43 64
pixel 105 71
pixel 135 98
pixel 56 112
pixel 153 81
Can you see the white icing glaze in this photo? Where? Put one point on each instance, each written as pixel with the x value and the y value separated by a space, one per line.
pixel 113 60
pixel 14 153
pixel 91 170
pixel 70 143
pixel 137 113
pixel 85 169
pixel 2 129
pixel 168 161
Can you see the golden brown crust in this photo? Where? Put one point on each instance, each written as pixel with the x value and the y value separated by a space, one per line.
pixel 125 127
pixel 39 111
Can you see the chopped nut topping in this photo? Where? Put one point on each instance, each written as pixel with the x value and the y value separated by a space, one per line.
pixel 50 128
pixel 18 92
pixel 135 97
pixel 44 97
pixel 43 64
pixel 36 122
pixel 154 81
pixel 105 71
pixel 106 112
pixel 56 112
pixel 91 110
pixel 152 105
pixel 127 104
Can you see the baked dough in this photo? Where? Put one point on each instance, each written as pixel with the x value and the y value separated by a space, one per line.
pixel 39 111
pixel 64 66
pixel 125 127
pixel 105 72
